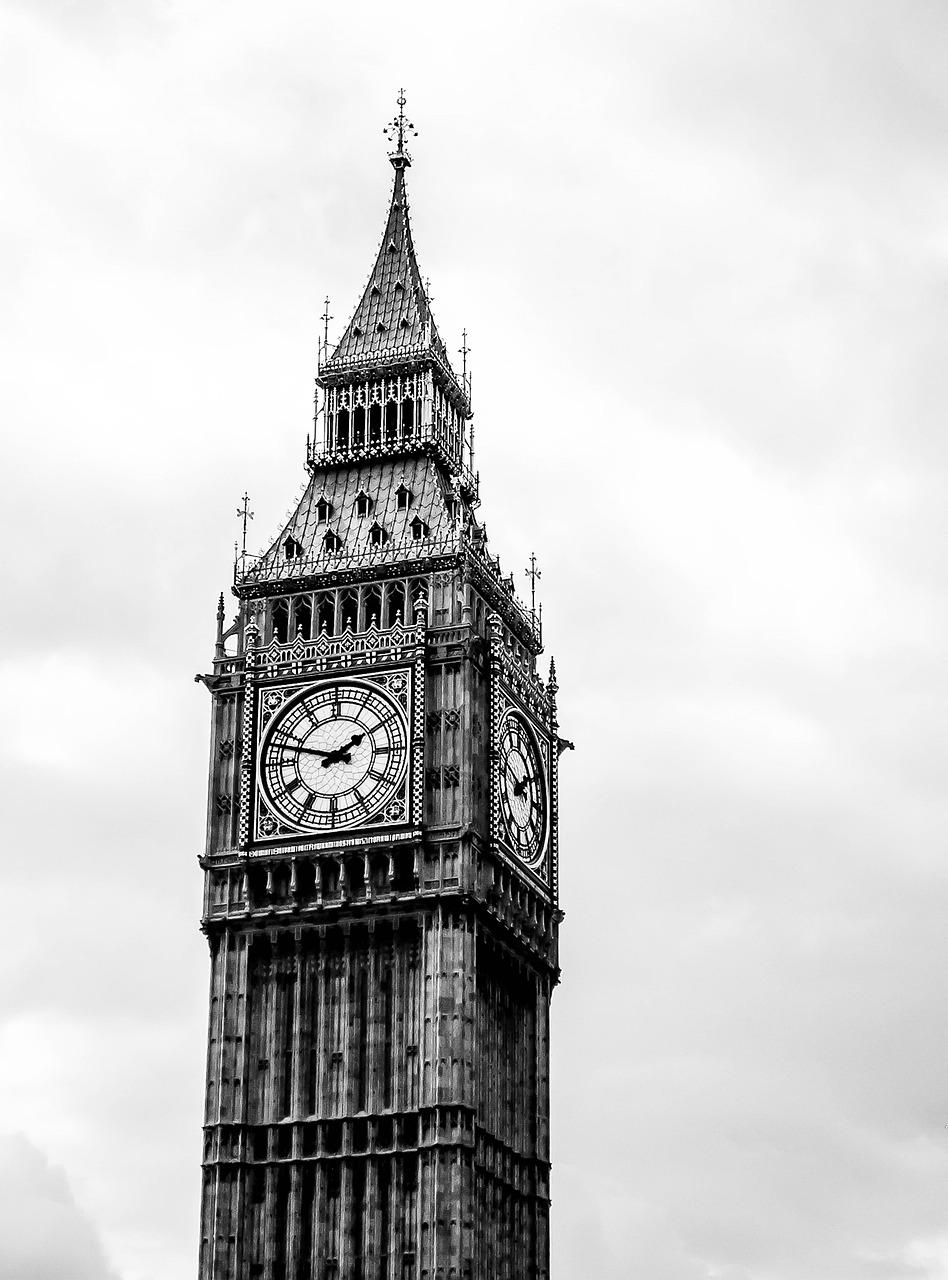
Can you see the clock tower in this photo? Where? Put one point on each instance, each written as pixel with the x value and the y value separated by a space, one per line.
pixel 381 862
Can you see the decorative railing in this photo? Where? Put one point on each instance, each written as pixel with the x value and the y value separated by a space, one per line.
pixel 418 439
pixel 378 640
pixel 273 566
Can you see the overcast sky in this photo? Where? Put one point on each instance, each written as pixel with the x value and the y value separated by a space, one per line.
pixel 701 249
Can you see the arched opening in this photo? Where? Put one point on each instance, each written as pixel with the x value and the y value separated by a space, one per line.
pixel 349 610
pixel 375 424
pixel 358 427
pixel 280 620
pixel 342 429
pixel 391 422
pixel 394 604
pixel 303 616
pixel 372 606
pixel 408 418
pixel 326 613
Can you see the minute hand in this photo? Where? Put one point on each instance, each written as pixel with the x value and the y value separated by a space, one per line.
pixel 310 751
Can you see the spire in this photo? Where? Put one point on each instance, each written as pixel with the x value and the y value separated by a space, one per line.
pixel 392 323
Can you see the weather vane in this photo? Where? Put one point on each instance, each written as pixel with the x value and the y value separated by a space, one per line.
pixel 395 131
pixel 533 573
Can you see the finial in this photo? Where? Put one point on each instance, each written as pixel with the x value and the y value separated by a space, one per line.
pixel 219 645
pixel 464 351
pixel 244 512
pixel 325 317
pixel 533 573
pixel 395 131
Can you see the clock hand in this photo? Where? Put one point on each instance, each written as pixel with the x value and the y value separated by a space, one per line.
pixel 342 753
pixel 521 786
pixel 310 751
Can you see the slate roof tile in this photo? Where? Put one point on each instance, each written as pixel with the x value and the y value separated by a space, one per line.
pixel 341 486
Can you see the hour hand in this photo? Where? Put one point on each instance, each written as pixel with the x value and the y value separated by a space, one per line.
pixel 521 786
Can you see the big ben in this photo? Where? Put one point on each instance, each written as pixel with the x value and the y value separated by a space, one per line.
pixel 381 861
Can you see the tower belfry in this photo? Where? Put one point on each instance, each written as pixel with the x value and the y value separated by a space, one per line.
pixel 380 869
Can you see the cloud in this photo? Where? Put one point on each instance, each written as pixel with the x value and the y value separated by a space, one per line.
pixel 43 1231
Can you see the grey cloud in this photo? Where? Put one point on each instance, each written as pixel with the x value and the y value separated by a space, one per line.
pixel 43 1232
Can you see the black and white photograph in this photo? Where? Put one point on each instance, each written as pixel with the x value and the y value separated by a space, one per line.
pixel 475 648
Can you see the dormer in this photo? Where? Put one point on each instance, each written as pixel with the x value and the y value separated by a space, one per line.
pixel 378 535
pixel 363 504
pixel 403 497
pixel 324 509
pixel 292 550
pixel 332 541
pixel 419 529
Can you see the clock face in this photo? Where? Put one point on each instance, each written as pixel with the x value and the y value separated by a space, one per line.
pixel 522 789
pixel 334 756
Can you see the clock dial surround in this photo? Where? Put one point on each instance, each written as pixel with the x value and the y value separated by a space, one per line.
pixel 334 756
pixel 522 786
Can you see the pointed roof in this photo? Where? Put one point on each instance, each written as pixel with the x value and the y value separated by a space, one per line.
pixel 392 323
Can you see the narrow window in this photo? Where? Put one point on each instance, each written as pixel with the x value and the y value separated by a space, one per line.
pixel 375 424
pixel 292 549
pixel 363 504
pixel 323 510
pixel 418 528
pixel 331 541
pixel 377 535
pixel 403 497
pixel 408 418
